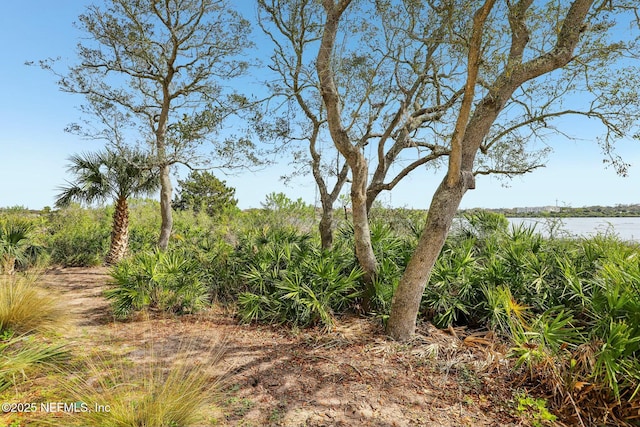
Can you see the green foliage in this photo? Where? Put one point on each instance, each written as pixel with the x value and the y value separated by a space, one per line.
pixel 280 202
pixel 111 174
pixel 144 222
pixel 78 237
pixel 202 191
pixel 114 174
pixel 278 209
pixel 570 212
pixel 393 244
pixel 165 281
pixel 534 409
pixel 17 248
pixel 406 223
pixel 291 280
pixel 484 223
pixel 569 308
pixel 451 295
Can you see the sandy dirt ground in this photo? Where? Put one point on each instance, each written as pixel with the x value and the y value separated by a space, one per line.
pixel 274 376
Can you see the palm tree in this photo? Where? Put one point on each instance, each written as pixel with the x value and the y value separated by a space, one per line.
pixel 14 244
pixel 110 174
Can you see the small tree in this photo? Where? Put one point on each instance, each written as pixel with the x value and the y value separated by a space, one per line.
pixel 580 47
pixel 203 191
pixel 110 174
pixel 154 68
pixel 293 27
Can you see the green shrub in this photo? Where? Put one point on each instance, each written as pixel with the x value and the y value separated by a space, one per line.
pixel 221 268
pixel 202 191
pixel 452 293
pixel 291 280
pixel 280 211
pixel 405 223
pixel 79 237
pixel 163 281
pixel 18 248
pixel 392 248
pixel 144 224
pixel 570 309
pixel 534 409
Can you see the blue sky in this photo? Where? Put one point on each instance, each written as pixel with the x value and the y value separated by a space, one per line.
pixel 34 147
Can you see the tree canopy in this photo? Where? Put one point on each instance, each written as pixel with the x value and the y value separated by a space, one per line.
pixel 202 191
pixel 153 74
pixel 475 88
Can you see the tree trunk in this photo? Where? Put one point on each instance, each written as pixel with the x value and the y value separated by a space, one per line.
pixel 352 153
pixel 446 200
pixel 165 207
pixel 326 227
pixel 119 232
pixel 406 300
pixel 361 231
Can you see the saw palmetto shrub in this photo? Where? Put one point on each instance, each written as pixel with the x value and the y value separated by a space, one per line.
pixel 569 309
pixel 158 281
pixel 291 280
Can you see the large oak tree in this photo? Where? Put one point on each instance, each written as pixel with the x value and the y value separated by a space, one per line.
pixel 478 84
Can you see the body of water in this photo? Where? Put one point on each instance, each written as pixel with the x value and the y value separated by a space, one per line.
pixel 624 228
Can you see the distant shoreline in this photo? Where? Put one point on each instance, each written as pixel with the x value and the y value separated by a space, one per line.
pixel 618 211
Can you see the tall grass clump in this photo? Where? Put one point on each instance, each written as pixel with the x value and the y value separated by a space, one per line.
pixel 159 392
pixel 25 308
pixel 158 281
pixel 20 355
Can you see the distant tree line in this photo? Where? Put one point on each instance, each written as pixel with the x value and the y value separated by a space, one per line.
pixel 567 211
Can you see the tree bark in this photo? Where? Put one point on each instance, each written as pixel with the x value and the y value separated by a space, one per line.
pixel 327 199
pixel 352 153
pixel 166 189
pixel 361 230
pixel 405 304
pixel 326 227
pixel 166 212
pixel 119 232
